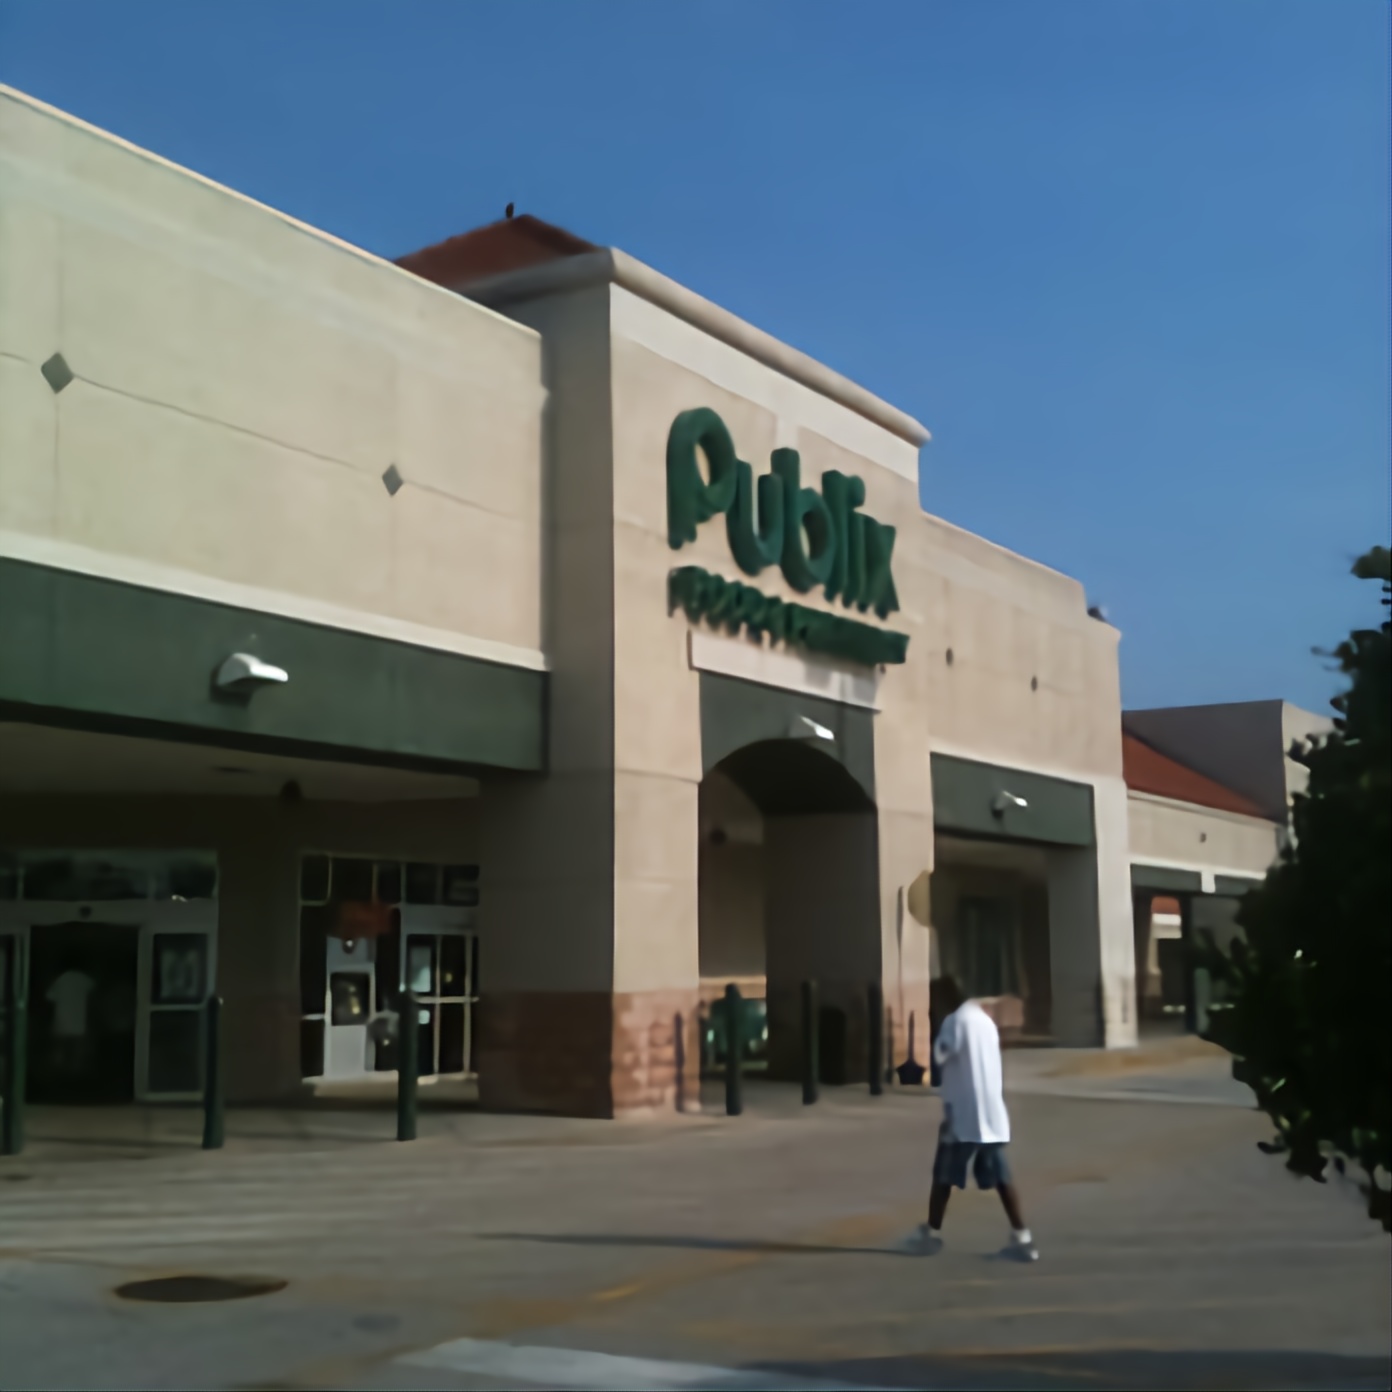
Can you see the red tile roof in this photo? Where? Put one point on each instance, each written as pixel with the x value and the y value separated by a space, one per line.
pixel 1147 770
pixel 511 245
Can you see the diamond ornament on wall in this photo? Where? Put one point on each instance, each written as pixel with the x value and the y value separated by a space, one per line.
pixel 393 480
pixel 57 373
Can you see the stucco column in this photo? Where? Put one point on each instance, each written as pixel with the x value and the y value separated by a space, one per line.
pixel 546 1016
pixel 905 851
pixel 1075 948
pixel 1091 933
pixel 258 953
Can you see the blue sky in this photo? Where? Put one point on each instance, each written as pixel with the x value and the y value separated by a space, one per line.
pixel 1128 261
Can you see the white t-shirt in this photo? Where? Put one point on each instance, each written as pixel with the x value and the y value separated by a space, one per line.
pixel 68 996
pixel 967 1050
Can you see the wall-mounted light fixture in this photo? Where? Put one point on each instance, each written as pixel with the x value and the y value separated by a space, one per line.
pixel 242 672
pixel 1004 801
pixel 806 728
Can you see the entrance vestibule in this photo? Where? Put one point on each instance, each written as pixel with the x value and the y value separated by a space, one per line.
pixel 114 987
pixel 788 892
pixel 369 930
pixel 990 910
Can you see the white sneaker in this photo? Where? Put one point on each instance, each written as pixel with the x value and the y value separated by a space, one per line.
pixel 921 1242
pixel 1022 1251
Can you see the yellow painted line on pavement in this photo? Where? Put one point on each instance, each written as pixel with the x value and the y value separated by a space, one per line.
pixel 504 1318
pixel 619 1292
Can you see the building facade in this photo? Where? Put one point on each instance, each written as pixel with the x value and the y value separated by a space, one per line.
pixel 509 625
pixel 1209 790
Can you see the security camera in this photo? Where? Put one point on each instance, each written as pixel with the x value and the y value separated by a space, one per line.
pixel 1004 801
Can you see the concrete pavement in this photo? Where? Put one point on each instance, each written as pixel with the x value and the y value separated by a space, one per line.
pixel 524 1252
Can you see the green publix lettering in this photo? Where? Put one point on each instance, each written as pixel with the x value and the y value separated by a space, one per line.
pixel 816 539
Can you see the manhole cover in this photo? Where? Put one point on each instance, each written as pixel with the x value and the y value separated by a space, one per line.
pixel 190 1290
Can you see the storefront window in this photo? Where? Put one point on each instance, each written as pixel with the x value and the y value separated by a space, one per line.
pixel 459 885
pixel 49 876
pixel 9 877
pixel 190 877
pixel 388 889
pixel 422 884
pixel 71 878
pixel 354 963
pixel 314 879
pixel 350 881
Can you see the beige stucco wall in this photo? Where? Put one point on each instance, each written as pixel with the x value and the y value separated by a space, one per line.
pixel 242 382
pixel 1011 623
pixel 1180 835
pixel 1034 683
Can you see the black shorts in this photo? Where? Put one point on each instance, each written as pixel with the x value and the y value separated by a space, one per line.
pixel 986 1160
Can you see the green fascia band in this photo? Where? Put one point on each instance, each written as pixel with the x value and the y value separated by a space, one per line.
pixel 733 606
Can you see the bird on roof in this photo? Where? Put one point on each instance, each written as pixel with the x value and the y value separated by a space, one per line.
pixel 508 212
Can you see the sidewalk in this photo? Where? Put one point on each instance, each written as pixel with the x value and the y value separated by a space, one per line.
pixel 1172 1070
pixel 1180 1068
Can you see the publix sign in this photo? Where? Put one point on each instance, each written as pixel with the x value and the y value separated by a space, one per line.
pixel 818 540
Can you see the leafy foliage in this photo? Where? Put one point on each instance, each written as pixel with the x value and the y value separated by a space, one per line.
pixel 1308 1022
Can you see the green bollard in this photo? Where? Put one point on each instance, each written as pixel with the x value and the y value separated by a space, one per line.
pixel 875 1024
pixel 16 1041
pixel 213 1131
pixel 734 1050
pixel 407 1066
pixel 810 1070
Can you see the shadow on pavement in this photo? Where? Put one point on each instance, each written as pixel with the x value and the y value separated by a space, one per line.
pixel 1119 1368
pixel 690 1244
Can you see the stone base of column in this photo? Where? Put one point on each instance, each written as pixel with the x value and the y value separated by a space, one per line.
pixel 588 1053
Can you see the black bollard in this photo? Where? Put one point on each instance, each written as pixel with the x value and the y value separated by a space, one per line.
pixel 810 1071
pixel 16 1049
pixel 407 1066
pixel 213 1132
pixel 874 1002
pixel 734 1051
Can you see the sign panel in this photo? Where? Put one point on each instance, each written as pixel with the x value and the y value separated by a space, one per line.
pixel 818 540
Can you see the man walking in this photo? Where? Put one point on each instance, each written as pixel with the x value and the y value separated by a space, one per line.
pixel 976 1126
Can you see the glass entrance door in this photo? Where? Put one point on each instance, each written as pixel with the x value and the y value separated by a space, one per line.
pixel 176 969
pixel 82 1012
pixel 116 993
pixel 440 966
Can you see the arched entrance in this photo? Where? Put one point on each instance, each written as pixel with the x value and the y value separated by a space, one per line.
pixel 789 891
